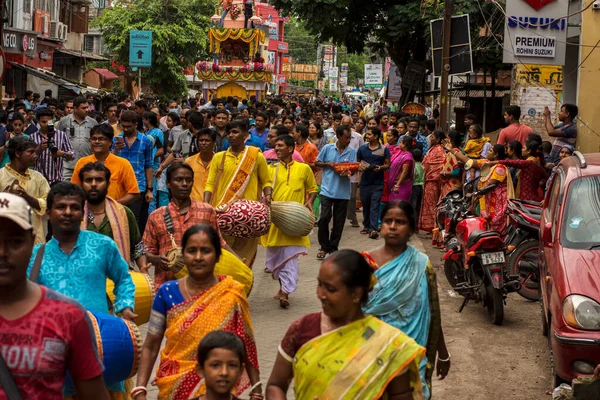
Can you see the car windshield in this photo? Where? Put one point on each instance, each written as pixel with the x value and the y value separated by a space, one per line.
pixel 581 224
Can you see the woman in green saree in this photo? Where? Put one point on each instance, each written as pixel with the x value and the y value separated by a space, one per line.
pixel 341 353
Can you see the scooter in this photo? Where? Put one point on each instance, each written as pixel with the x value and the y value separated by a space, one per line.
pixel 475 263
pixel 522 242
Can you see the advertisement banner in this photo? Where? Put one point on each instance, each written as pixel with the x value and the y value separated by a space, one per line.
pixel 394 83
pixel 334 72
pixel 344 70
pixel 535 32
pixel 333 85
pixel 373 75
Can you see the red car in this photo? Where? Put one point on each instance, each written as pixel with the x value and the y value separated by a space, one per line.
pixel 569 261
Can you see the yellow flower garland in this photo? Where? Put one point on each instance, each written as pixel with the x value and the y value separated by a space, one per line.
pixel 252 36
pixel 236 76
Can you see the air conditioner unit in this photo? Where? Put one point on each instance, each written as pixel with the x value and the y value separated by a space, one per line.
pixel 54 29
pixel 64 32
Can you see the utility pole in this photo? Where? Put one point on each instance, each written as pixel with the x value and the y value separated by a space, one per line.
pixel 448 9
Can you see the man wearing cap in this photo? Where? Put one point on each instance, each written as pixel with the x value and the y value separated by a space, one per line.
pixel 44 333
pixel 77 263
pixel 19 178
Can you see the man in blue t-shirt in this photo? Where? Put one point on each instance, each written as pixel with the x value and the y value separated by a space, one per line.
pixel 335 190
pixel 565 132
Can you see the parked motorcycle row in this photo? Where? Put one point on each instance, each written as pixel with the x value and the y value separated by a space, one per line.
pixel 485 266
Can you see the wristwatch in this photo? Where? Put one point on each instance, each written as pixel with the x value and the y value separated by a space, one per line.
pixel 149 189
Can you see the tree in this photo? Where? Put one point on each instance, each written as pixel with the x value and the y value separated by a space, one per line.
pixel 302 44
pixel 397 28
pixel 179 29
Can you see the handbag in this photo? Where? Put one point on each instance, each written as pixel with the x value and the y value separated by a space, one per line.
pixel 175 256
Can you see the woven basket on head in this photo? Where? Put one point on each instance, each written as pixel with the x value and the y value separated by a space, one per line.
pixel 292 218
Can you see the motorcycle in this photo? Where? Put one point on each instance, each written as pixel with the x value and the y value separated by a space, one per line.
pixel 475 262
pixel 522 242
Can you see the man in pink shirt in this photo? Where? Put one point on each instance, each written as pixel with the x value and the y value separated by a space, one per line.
pixel 514 130
pixel 270 154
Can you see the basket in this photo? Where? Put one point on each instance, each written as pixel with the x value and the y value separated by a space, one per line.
pixel 351 167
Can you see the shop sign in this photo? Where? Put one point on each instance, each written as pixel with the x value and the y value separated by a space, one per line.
pixel 44 55
pixel 535 32
pixel 19 42
pixel 535 46
pixel 282 47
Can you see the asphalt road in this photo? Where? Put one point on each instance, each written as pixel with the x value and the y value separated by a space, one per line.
pixel 488 362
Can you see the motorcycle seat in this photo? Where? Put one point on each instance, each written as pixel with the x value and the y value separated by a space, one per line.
pixel 475 236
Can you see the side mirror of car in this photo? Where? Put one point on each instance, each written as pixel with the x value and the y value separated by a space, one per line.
pixel 547 233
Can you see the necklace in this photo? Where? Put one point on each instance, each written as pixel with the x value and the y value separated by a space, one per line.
pixel 186 288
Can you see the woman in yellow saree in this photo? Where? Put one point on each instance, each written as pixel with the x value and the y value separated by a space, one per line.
pixel 184 311
pixel 341 353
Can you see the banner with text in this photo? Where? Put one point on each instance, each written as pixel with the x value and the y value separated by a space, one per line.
pixel 373 75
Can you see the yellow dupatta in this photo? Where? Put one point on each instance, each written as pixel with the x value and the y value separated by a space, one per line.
pixel 474 147
pixel 222 307
pixel 117 218
pixel 237 186
pixel 488 210
pixel 356 361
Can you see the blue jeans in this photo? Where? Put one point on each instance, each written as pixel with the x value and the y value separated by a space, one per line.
pixel 370 196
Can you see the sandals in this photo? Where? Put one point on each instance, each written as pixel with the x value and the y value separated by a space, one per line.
pixel 373 235
pixel 284 303
pixel 364 231
pixel 267 271
pixel 321 254
pixel 354 224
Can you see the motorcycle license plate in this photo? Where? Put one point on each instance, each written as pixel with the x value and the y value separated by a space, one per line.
pixel 492 258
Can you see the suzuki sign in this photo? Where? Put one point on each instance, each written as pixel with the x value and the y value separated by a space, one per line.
pixel 535 31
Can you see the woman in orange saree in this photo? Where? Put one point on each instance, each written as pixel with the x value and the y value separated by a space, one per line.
pixel 432 165
pixel 184 311
pixel 451 175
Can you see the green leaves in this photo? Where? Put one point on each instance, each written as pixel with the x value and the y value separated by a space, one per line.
pixel 179 29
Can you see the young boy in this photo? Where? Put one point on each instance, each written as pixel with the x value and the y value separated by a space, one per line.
pixel 221 358
pixel 416 196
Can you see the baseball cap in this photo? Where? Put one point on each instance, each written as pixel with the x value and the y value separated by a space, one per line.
pixel 16 209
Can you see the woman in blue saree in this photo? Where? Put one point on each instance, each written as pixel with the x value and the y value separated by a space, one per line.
pixel 405 295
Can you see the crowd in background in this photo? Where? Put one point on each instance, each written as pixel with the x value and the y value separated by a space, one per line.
pixel 115 184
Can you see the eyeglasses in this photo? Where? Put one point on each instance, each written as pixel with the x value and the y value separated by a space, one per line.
pixel 98 139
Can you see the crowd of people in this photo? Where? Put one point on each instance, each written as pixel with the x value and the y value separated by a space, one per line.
pixel 143 186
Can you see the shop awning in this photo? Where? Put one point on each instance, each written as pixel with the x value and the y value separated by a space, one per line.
pixel 82 54
pixel 55 79
pixel 105 73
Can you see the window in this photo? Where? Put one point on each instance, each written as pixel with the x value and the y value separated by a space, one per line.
pixel 88 43
pixel 581 220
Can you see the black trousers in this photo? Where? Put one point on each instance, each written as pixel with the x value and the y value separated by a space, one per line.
pixel 140 210
pixel 337 209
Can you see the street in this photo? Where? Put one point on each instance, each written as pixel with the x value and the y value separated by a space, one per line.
pixel 511 361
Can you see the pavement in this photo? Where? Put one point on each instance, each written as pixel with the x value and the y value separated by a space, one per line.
pixel 271 321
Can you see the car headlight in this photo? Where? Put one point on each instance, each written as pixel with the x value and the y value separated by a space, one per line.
pixel 581 312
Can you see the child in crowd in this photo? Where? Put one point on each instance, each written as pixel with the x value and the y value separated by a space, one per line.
pixel 416 196
pixel 221 358
pixel 477 146
pixel 547 149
